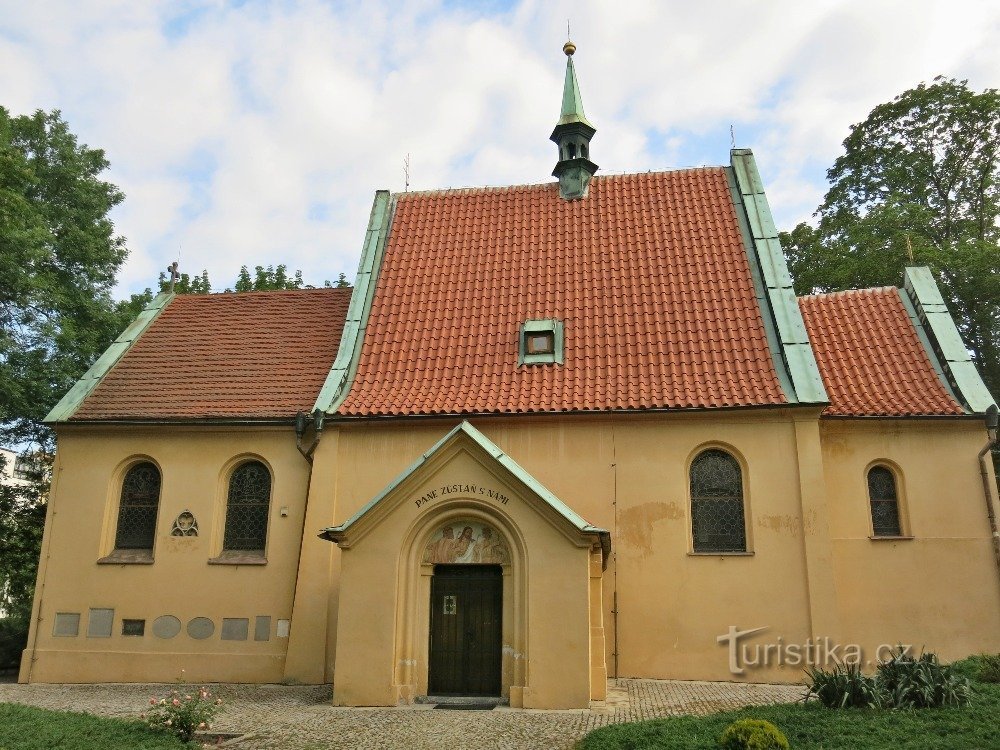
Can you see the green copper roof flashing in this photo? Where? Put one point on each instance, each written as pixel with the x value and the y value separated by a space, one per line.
pixel 69 403
pixel 464 429
pixel 925 342
pixel 780 308
pixel 345 366
pixel 960 371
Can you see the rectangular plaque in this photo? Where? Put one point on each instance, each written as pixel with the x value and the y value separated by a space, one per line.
pixel 262 628
pixel 99 625
pixel 67 625
pixel 235 628
pixel 451 605
pixel 283 627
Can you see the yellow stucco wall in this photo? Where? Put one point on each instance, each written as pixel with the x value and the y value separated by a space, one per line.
pixel 940 590
pixel 194 465
pixel 813 571
pixel 629 474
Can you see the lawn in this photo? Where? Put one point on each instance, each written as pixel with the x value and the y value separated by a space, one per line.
pixel 814 727
pixel 27 728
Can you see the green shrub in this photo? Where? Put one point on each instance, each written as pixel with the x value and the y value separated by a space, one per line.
pixel 752 734
pixel 13 640
pixel 901 681
pixel 844 686
pixel 922 682
pixel 989 668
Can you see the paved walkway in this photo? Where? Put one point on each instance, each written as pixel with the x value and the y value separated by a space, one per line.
pixel 301 718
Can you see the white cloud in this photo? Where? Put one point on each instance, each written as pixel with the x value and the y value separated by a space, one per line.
pixel 257 133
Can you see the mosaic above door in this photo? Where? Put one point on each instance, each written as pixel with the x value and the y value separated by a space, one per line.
pixel 466 541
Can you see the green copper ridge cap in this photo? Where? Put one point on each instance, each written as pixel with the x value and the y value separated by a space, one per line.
pixel 962 375
pixel 925 342
pixel 572 100
pixel 782 307
pixel 331 533
pixel 345 365
pixel 76 395
pixel 760 291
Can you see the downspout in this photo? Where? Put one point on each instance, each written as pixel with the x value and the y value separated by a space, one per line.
pixel 302 421
pixel 614 503
pixel 991 433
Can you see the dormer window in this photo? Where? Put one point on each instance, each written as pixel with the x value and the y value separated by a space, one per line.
pixel 541 342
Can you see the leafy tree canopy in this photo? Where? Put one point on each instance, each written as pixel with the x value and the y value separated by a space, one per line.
pixel 59 256
pixel 276 277
pixel 918 183
pixel 263 279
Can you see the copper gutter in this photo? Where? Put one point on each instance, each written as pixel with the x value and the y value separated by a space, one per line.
pixel 991 432
pixel 302 421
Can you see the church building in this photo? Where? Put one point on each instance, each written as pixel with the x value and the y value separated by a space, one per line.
pixel 555 434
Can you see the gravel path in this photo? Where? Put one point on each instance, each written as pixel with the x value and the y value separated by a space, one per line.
pixel 301 718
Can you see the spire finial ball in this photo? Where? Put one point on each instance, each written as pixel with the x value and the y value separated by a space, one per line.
pixel 569 48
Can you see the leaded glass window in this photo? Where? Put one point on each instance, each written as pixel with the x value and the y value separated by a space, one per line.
pixel 137 510
pixel 885 504
pixel 247 507
pixel 717 522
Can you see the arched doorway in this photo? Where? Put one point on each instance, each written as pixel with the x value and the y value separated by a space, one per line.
pixel 466 607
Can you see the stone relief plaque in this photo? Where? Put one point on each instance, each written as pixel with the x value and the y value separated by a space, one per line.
pixel 467 542
pixel 185 525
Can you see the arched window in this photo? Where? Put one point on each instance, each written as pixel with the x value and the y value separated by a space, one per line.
pixel 717 520
pixel 884 502
pixel 247 508
pixel 572 151
pixel 140 501
pixel 583 150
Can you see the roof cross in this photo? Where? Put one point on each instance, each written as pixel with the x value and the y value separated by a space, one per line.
pixel 174 275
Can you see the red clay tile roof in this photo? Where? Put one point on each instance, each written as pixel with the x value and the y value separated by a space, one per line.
pixel 870 357
pixel 250 355
pixel 648 273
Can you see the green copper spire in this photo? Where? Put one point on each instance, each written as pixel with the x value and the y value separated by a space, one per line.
pixel 572 103
pixel 572 135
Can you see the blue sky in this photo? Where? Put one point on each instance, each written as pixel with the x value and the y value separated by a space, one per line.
pixel 257 132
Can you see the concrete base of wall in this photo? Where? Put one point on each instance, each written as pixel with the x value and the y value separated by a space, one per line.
pixel 128 666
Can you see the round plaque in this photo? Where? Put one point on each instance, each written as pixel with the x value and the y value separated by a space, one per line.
pixel 200 628
pixel 166 626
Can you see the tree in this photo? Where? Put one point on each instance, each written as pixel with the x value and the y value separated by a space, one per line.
pixel 276 277
pixel 22 519
pixel 918 182
pixel 264 279
pixel 59 256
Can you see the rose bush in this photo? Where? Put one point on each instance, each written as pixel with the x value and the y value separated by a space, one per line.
pixel 183 714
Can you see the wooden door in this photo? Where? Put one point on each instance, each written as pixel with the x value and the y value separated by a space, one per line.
pixel 466 618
